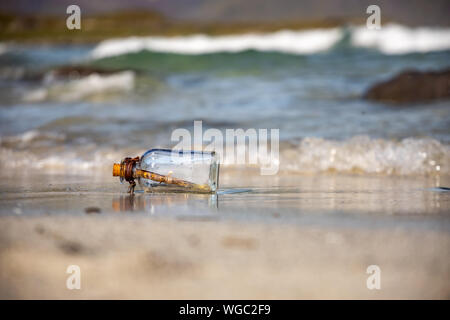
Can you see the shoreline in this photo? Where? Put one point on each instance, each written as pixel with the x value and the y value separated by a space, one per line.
pixel 284 237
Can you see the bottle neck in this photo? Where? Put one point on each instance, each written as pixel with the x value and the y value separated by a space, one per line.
pixel 126 169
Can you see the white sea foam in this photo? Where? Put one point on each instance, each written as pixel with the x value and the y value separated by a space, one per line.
pixel 36 149
pixel 294 42
pixel 24 140
pixel 391 39
pixel 396 39
pixel 361 154
pixel 77 89
pixel 68 160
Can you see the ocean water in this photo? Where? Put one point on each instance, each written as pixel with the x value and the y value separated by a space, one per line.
pixel 307 84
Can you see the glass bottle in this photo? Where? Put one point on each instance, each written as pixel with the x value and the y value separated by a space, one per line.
pixel 163 170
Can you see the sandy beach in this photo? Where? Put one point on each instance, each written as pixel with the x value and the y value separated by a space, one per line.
pixel 309 237
pixel 346 105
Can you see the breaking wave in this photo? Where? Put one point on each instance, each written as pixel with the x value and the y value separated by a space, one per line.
pixel 49 151
pixel 391 39
pixel 396 39
pixel 76 89
pixel 365 155
pixel 360 154
pixel 287 41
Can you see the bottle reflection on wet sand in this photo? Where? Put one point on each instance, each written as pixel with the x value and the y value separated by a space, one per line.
pixel 151 202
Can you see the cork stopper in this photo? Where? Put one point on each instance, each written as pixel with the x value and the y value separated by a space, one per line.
pixel 125 169
pixel 116 170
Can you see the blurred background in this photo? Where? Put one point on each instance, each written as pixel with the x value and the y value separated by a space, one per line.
pixel 139 69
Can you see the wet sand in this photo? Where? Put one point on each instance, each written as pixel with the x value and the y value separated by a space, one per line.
pixel 260 237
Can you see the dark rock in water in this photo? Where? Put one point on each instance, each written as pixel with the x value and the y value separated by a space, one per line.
pixel 412 86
